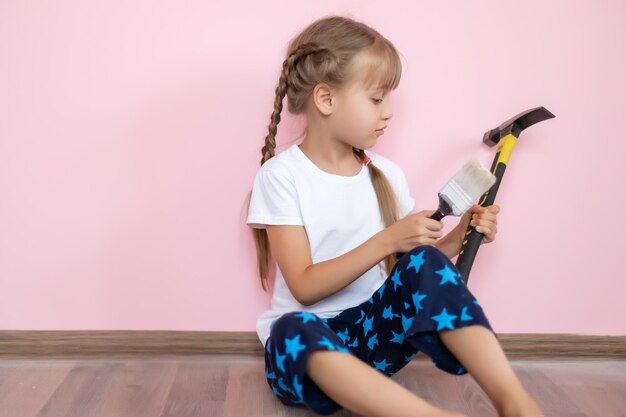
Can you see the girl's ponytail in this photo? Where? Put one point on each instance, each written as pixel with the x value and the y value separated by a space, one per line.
pixel 387 202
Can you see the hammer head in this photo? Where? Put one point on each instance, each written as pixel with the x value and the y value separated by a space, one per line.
pixel 516 124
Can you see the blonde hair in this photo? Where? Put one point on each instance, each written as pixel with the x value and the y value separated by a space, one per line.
pixel 321 53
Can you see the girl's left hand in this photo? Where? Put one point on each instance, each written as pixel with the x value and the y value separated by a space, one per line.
pixel 483 218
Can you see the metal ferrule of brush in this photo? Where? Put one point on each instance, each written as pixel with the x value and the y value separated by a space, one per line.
pixel 444 209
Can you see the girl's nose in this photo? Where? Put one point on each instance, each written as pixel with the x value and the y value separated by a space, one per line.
pixel 387 114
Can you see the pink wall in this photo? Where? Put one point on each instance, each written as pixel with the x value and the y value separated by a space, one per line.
pixel 130 133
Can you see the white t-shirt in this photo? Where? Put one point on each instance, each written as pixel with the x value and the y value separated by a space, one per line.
pixel 338 213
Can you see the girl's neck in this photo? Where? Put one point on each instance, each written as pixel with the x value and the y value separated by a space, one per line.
pixel 331 156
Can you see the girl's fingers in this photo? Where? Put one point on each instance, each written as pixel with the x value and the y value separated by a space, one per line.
pixel 488 237
pixel 489 232
pixel 486 216
pixel 484 219
pixel 484 227
pixel 484 223
pixel 480 210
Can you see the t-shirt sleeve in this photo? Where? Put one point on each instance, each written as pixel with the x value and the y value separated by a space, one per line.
pixel 274 199
pixel 407 203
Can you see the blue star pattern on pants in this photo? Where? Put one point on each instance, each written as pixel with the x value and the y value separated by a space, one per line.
pixel 448 275
pixel 298 388
pixel 327 343
pixel 397 337
pixel 388 313
pixel 367 325
pixel 380 291
pixel 361 318
pixel 417 261
pixel 381 365
pixel 282 385
pixel 396 280
pixel 276 391
pixel 345 336
pixel 293 346
pixel 372 341
pixel 386 331
pixel 464 315
pixel 417 300
pixel 306 317
pixel 444 320
pixel 280 361
pixel 406 322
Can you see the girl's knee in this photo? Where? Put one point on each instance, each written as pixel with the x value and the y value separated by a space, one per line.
pixel 427 249
pixel 424 253
pixel 292 321
pixel 425 257
pixel 286 320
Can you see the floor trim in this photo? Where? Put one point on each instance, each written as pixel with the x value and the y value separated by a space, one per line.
pixel 95 343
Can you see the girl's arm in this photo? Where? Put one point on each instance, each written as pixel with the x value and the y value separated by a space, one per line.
pixel 450 244
pixel 309 282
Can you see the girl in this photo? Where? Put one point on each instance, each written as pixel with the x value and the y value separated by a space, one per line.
pixel 345 313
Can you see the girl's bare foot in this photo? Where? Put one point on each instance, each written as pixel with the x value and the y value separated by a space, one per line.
pixel 442 413
pixel 521 407
pixel 439 412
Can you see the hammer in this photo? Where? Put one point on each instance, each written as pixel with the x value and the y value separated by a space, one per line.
pixel 505 137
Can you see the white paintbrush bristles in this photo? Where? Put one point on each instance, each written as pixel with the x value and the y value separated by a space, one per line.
pixel 467 185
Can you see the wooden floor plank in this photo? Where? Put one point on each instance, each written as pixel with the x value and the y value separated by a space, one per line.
pixel 140 388
pixel 26 386
pixel 458 393
pixel 199 388
pixel 245 394
pixel 235 385
pixel 81 392
pixel 551 395
pixel 589 389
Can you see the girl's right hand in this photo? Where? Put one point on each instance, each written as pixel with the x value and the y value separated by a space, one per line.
pixel 414 230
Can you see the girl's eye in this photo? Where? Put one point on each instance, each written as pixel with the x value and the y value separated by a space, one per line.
pixel 377 100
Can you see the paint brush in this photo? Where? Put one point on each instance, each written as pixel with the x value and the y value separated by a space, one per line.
pixel 458 195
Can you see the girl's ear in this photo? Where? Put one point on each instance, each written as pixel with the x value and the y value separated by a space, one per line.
pixel 324 98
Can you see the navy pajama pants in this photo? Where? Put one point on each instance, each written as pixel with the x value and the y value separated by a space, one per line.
pixel 423 295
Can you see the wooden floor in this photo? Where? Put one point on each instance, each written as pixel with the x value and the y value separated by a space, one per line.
pixel 221 385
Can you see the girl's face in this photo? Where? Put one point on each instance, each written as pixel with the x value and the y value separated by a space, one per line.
pixel 360 112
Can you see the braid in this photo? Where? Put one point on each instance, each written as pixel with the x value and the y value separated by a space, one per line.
pixel 289 77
